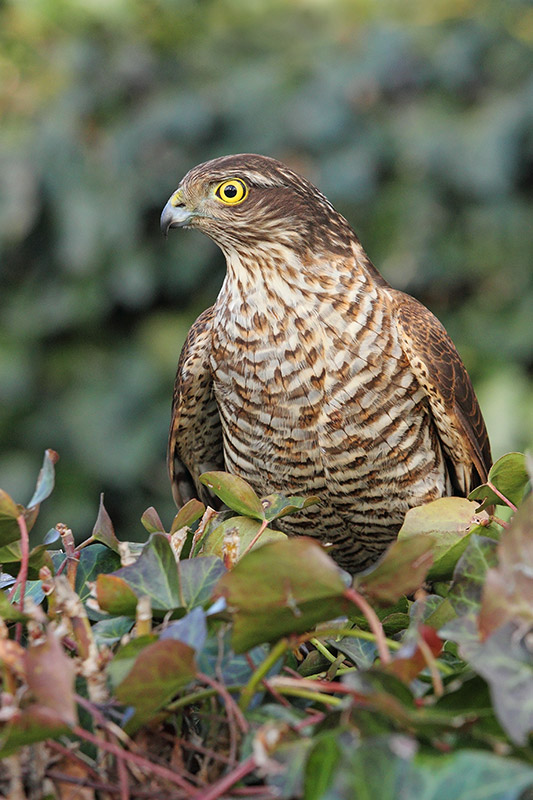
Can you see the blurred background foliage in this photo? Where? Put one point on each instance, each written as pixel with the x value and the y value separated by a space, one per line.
pixel 415 118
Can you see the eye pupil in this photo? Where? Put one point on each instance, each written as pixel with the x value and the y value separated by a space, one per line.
pixel 230 191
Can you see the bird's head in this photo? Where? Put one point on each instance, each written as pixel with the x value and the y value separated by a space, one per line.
pixel 245 201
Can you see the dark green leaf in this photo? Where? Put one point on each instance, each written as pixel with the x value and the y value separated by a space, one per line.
pixel 190 629
pixel 198 578
pixel 96 559
pixel 155 574
pixel 234 492
pixel 282 588
pixel 110 631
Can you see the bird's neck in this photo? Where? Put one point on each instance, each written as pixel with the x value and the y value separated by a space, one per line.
pixel 279 275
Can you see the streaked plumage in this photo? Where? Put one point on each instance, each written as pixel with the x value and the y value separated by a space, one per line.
pixel 310 374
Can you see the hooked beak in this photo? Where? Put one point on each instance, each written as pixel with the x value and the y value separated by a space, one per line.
pixel 175 214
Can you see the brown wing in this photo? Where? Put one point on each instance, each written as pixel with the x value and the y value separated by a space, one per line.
pixel 453 403
pixel 195 437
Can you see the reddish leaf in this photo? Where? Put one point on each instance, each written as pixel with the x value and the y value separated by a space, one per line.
pixel 9 513
pixel 282 588
pixel 401 571
pixel 409 661
pixel 152 521
pixel 103 530
pixel 50 677
pixel 158 672
pixel 115 596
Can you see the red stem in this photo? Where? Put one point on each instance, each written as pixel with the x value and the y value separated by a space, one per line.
pixel 373 621
pixel 502 497
pixel 256 537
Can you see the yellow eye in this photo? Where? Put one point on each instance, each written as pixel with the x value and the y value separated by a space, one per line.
pixel 232 192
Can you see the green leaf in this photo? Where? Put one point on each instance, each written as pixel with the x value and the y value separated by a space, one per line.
pixel 152 521
pixel 508 589
pixel 34 724
pixel 95 560
pixel 9 513
pixel 469 576
pixel 9 612
pixel 109 631
pixel 234 492
pixel 449 522
pixel 158 672
pixel 282 588
pixel 45 481
pixel 278 505
pixel 509 476
pixel 103 530
pixel 190 629
pixel 114 596
pixel 246 527
pixel 505 660
pixel 187 515
pixel 198 578
pixel 321 765
pixel 389 768
pixel 155 574
pixel 400 571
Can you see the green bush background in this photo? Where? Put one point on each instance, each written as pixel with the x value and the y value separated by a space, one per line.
pixel 415 118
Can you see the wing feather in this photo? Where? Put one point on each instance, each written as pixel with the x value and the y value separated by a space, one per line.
pixel 452 400
pixel 195 437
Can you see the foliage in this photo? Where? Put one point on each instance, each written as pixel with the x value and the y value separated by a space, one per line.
pixel 415 118
pixel 268 670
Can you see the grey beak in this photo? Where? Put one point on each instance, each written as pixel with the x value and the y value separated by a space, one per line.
pixel 174 217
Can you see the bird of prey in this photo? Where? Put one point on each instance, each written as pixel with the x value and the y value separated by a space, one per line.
pixel 310 374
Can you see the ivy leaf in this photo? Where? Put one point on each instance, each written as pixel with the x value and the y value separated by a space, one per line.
pixel 508 589
pixel 449 521
pixel 282 588
pixel 110 631
pixel 94 560
pixel 50 677
pixel 158 672
pixel 198 578
pixel 103 530
pixel 246 528
pixel 400 571
pixel 155 574
pixel 9 513
pixel 278 505
pixel 505 660
pixel 509 476
pixel 151 521
pixel 187 515
pixel 469 575
pixel 190 629
pixel 234 492
pixel 46 479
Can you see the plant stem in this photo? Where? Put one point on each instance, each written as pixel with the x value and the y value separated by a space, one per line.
pixel 372 618
pixel 249 690
pixel 256 537
pixel 501 496
pixel 323 650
